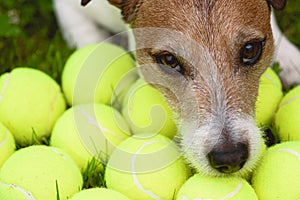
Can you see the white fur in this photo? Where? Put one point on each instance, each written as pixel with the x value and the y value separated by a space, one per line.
pixel 87 25
pixel 287 55
pixel 199 136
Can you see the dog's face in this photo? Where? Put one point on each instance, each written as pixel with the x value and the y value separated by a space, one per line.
pixel 206 57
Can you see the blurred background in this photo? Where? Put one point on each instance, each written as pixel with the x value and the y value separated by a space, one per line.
pixel 30 36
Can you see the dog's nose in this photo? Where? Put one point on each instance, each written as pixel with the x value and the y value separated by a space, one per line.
pixel 230 158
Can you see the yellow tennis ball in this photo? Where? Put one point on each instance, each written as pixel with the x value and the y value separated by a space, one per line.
pixel 99 193
pixel 269 96
pixel 89 130
pixel 287 118
pixel 98 73
pixel 7 144
pixel 42 170
pixel 30 103
pixel 206 187
pixel 147 111
pixel 146 166
pixel 278 175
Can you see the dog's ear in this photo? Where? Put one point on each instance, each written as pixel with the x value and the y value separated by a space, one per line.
pixel 128 8
pixel 278 4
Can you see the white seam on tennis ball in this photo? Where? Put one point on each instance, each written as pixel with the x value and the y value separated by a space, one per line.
pixel 92 121
pixel 135 178
pixel 27 194
pixel 295 153
pixel 186 198
pixel 290 100
pixel 267 76
pixel 51 112
pixel 5 85
pixel 234 192
pixel 59 153
pixel 3 142
pixel 228 196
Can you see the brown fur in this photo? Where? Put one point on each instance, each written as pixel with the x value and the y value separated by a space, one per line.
pixel 223 27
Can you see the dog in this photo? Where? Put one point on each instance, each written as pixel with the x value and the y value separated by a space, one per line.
pixel 206 57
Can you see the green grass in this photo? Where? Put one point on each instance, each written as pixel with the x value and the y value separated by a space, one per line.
pixel 92 175
pixel 30 37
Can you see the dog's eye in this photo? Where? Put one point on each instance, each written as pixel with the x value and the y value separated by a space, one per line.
pixel 251 52
pixel 168 60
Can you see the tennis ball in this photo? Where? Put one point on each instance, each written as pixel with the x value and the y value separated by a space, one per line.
pixel 146 110
pixel 30 103
pixel 43 171
pixel 7 144
pixel 269 96
pixel 277 177
pixel 98 73
pixel 146 166
pixel 89 130
pixel 287 118
pixel 14 192
pixel 99 193
pixel 206 187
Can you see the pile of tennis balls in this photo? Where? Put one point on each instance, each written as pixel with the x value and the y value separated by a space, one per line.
pixel 104 112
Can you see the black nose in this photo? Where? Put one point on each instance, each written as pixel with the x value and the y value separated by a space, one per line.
pixel 230 158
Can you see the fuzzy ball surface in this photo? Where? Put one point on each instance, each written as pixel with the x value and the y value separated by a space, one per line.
pixel 30 103
pixel 205 187
pixel 7 144
pixel 98 73
pixel 278 175
pixel 99 193
pixel 287 119
pixel 269 96
pixel 43 171
pixel 89 131
pixel 146 167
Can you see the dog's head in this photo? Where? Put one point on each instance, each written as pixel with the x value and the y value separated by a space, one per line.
pixel 206 57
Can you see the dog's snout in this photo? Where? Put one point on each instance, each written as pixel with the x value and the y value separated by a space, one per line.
pixel 228 159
